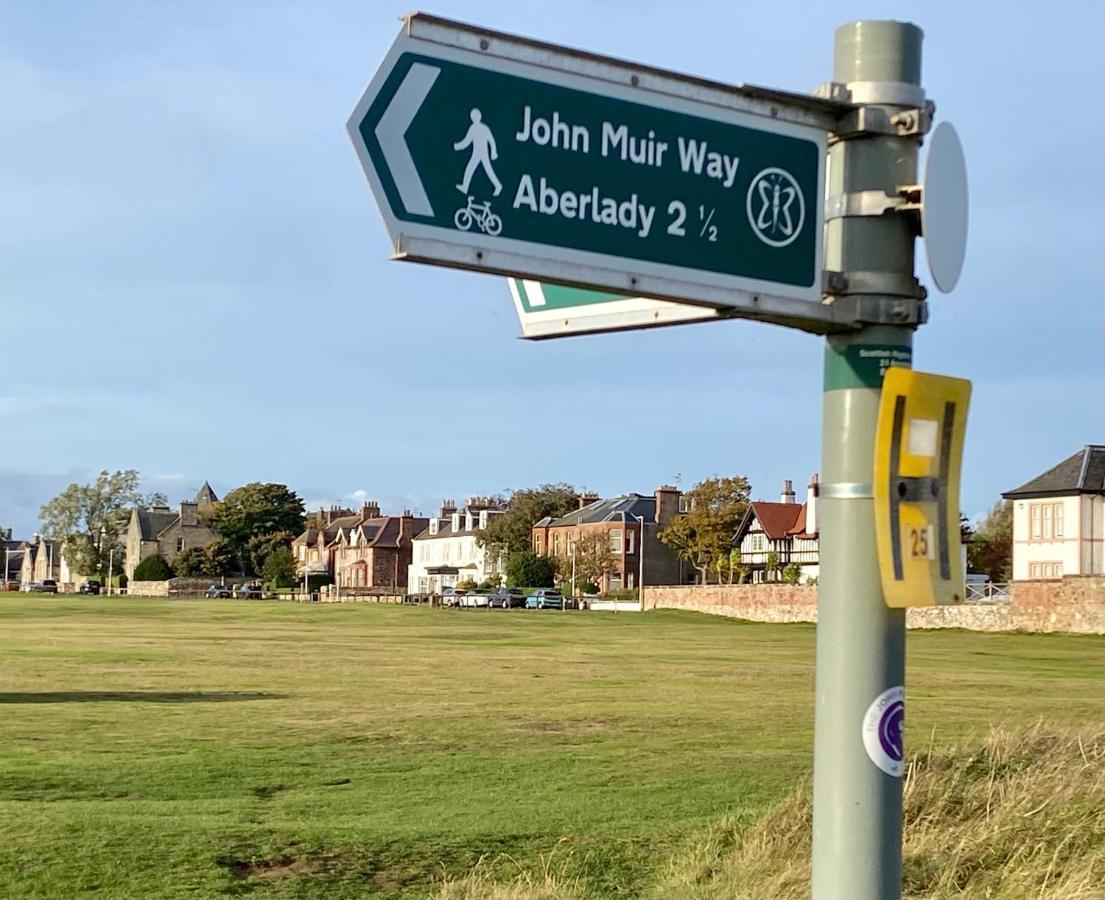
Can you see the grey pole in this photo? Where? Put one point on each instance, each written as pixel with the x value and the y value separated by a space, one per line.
pixel 857 811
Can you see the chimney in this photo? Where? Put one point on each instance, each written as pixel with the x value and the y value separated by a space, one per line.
pixel 448 507
pixel 370 510
pixel 811 505
pixel 787 496
pixel 587 498
pixel 667 503
pixel 6 533
pixel 188 514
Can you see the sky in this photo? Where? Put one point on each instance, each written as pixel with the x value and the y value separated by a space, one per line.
pixel 195 282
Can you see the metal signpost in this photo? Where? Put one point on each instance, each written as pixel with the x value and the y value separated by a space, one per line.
pixel 695 200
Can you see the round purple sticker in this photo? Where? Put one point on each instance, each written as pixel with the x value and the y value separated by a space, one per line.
pixel 883 731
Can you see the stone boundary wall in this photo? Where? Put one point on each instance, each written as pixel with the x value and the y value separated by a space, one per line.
pixel 1072 605
pixel 147 589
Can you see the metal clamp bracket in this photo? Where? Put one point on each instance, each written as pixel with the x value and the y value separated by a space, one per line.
pixel 883 284
pixel 862 121
pixel 875 309
pixel 846 490
pixel 873 203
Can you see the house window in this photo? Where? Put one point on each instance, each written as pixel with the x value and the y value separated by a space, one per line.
pixel 179 544
pixel 1045 570
pixel 629 581
pixel 630 542
pixel 1045 521
pixel 757 543
pixel 556 543
pixel 615 540
pixel 537 544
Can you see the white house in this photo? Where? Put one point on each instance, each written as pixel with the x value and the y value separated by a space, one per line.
pixel 786 528
pixel 448 552
pixel 1059 519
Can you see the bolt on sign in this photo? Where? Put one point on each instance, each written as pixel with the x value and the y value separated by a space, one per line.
pixel 918 453
pixel 505 155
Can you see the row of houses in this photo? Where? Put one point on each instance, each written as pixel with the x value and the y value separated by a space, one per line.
pixel 1058 530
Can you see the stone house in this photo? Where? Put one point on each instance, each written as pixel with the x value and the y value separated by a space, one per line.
pixel 787 529
pixel 448 551
pixel 14 551
pixel 1059 519
pixel 313 550
pixel 361 550
pixel 629 524
pixel 159 529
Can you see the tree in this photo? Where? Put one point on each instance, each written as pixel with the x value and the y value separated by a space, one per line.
pixel 593 557
pixel 263 546
pixel 279 568
pixel 526 569
pixel 512 532
pixel 190 563
pixel 792 573
pixel 256 510
pixel 87 519
pixel 220 559
pixel 153 568
pixel 991 547
pixel 771 565
pixel 715 509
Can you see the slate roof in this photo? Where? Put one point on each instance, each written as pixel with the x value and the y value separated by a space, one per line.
pixel 1082 473
pixel 152 522
pixel 205 496
pixel 630 506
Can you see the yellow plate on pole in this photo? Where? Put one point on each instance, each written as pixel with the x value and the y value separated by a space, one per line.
pixel 918 455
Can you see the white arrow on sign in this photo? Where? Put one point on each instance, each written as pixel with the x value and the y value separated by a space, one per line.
pixel 392 130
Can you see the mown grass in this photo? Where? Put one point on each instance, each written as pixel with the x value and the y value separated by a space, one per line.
pixel 162 749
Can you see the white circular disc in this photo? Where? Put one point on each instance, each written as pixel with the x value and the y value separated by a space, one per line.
pixel 944 207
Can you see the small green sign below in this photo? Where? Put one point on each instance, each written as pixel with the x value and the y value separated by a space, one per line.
pixel 552 310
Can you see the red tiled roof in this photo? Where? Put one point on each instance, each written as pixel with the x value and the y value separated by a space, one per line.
pixel 780 519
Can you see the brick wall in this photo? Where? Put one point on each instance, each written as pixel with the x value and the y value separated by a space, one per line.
pixel 1073 605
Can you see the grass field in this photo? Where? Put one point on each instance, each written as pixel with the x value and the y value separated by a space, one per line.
pixel 203 748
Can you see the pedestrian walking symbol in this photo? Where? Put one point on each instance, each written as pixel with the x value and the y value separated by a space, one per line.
pixel 484 152
pixel 776 209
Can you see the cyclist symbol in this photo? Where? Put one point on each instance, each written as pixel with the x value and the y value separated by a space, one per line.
pixel 480 215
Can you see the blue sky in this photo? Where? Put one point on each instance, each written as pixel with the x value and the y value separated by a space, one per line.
pixel 195 279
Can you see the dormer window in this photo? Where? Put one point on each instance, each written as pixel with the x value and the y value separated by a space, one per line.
pixel 433 526
pixel 483 518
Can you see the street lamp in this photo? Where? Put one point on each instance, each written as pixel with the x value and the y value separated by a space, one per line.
pixel 110 565
pixel 641 563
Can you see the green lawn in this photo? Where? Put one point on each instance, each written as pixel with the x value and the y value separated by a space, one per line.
pixel 197 748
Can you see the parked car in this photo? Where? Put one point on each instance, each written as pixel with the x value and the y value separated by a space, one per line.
pixel 218 592
pixel 90 586
pixel 248 592
pixel 545 598
pixel 449 596
pixel 10 586
pixel 508 598
pixel 48 586
pixel 477 597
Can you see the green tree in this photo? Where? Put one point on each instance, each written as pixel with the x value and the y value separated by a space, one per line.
pixel 593 557
pixel 526 569
pixel 87 519
pixel 771 566
pixel 190 563
pixel 253 511
pixel 792 573
pixel 715 509
pixel 279 568
pixel 264 545
pixel 512 532
pixel 991 548
pixel 153 568
pixel 736 567
pixel 220 559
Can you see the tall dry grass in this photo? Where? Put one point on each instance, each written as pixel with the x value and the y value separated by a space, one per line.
pixel 1020 816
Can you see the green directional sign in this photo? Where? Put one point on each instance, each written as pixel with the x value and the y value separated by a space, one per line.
pixel 553 310
pixel 503 155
